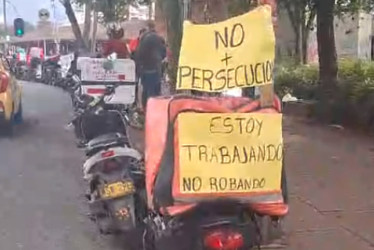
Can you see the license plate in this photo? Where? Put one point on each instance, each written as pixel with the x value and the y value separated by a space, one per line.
pixel 118 189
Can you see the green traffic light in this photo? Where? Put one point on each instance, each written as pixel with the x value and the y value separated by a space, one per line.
pixel 19 32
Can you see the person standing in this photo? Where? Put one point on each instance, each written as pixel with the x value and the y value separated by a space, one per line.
pixel 115 43
pixel 149 55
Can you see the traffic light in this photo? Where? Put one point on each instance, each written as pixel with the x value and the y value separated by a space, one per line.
pixel 19 27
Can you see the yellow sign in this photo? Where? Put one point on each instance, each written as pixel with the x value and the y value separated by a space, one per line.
pixel 230 153
pixel 236 53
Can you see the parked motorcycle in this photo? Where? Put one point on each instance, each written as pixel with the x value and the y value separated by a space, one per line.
pixel 113 170
pixel 35 70
pixel 213 226
pixel 51 71
pixel 181 217
pixel 221 224
pixel 21 70
pixel 116 194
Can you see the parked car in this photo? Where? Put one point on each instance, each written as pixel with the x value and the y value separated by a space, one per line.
pixel 10 98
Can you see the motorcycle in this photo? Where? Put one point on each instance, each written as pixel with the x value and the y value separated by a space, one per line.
pixel 71 84
pixel 35 69
pixel 214 226
pixel 116 192
pixel 51 71
pixel 217 225
pixel 21 70
pixel 208 221
pixel 94 117
pixel 113 170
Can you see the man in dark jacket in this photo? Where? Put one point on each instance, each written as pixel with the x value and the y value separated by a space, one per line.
pixel 150 54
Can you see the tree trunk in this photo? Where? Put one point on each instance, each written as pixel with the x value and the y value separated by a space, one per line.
pixel 328 64
pixel 217 11
pixel 306 32
pixel 170 11
pixel 298 43
pixel 209 11
pixel 94 31
pixel 304 46
pixel 295 13
pixel 150 10
pixel 74 24
pixel 87 22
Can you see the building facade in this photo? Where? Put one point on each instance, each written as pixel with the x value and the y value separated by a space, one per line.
pixel 353 37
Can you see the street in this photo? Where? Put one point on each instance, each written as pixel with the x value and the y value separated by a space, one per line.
pixel 41 186
pixel 330 174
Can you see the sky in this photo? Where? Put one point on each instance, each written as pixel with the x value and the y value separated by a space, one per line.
pixel 28 10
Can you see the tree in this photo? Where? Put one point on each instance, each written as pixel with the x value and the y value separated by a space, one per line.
pixel 88 8
pixel 302 14
pixel 74 24
pixel 173 12
pixel 328 65
pixel 326 11
pixel 110 11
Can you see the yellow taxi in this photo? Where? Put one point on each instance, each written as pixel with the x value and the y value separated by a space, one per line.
pixel 10 98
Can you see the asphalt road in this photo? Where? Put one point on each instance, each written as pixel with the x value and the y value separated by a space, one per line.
pixel 41 187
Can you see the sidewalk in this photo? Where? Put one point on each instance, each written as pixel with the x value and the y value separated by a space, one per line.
pixel 331 182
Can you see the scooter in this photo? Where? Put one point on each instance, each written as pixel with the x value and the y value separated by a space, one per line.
pixel 113 170
pixel 218 225
pixel 116 194
pixel 205 221
pixel 214 226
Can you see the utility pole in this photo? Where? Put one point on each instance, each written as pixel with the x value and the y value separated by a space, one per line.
pixel 4 14
pixel 150 10
pixel 94 30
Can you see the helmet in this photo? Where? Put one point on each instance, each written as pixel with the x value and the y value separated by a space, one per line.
pixel 115 31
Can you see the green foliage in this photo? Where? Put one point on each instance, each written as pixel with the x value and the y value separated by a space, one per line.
pixel 113 10
pixel 352 6
pixel 299 80
pixel 353 99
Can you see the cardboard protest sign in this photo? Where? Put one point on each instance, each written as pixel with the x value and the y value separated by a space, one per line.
pixel 229 153
pixel 235 53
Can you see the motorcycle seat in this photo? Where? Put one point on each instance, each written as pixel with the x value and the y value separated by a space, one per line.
pixel 105 141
